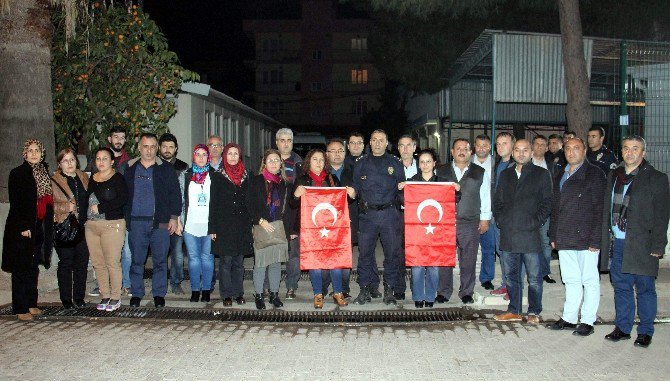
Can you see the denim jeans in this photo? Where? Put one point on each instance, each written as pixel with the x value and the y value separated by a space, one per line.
pixel 316 276
pixel 424 283
pixel 142 236
pixel 126 261
pixel 624 301
pixel 231 272
pixel 293 264
pixel 514 263
pixel 176 260
pixel 346 278
pixel 200 261
pixel 545 265
pixel 488 243
pixel 579 272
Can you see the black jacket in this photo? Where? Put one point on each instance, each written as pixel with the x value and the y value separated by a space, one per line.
pixel 256 201
pixel 228 216
pixel 521 206
pixel 21 253
pixel 576 213
pixel 647 221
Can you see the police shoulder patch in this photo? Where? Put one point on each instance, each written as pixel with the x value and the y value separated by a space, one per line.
pixel 613 165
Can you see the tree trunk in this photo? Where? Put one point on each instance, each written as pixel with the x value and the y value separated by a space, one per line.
pixel 578 110
pixel 26 109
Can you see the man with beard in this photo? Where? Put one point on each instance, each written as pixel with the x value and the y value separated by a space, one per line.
pixel 538 158
pixel 167 150
pixel 473 212
pixel 355 146
pixel 555 153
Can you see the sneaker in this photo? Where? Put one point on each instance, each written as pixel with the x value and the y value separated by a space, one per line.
pixel 95 291
pixel 125 291
pixel 508 316
pixel 102 306
pixel 113 305
pixel 500 291
pixel 506 296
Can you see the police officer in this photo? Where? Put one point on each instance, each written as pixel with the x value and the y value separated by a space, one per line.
pixel 598 154
pixel 375 179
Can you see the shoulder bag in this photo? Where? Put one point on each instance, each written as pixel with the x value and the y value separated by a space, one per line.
pixel 68 231
pixel 263 238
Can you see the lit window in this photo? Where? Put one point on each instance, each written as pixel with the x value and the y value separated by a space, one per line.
pixel 359 76
pixel 359 43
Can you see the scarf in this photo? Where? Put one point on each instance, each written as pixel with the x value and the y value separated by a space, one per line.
pixel 620 199
pixel 317 179
pixel 42 179
pixel 118 160
pixel 234 172
pixel 200 173
pixel 273 202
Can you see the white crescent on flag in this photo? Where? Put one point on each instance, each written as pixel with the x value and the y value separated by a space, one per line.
pixel 429 202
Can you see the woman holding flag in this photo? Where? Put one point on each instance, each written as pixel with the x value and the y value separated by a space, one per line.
pixel 315 175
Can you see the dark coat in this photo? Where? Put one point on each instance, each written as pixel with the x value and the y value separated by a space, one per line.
pixel 256 201
pixel 167 194
pixel 647 221
pixel 521 206
pixel 576 213
pixel 21 253
pixel 229 218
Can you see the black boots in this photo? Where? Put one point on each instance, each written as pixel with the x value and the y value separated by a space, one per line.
pixel 195 296
pixel 364 296
pixel 260 304
pixel 205 296
pixel 389 297
pixel 274 300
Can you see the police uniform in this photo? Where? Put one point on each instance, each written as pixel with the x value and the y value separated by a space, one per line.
pixel 603 158
pixel 376 179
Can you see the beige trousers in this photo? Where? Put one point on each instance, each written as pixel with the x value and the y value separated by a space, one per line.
pixel 105 241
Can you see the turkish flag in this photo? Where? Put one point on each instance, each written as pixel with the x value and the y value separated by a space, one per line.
pixel 430 224
pixel 325 232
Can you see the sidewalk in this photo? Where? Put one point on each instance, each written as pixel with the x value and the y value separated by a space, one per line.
pixel 553 294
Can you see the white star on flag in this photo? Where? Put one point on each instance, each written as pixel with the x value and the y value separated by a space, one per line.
pixel 430 229
pixel 324 232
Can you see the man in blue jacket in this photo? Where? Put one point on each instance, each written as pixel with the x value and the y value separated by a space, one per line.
pixel 151 216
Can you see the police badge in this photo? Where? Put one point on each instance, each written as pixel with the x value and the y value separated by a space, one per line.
pixel 390 169
pixel 599 156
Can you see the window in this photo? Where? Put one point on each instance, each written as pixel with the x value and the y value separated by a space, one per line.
pixel 359 76
pixel 316 55
pixel 273 76
pixel 272 44
pixel 359 43
pixel 316 86
pixel 219 123
pixel 359 107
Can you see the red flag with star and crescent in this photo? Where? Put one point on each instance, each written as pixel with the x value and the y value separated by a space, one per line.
pixel 325 232
pixel 430 224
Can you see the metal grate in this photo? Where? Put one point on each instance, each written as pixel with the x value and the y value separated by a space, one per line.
pixel 267 316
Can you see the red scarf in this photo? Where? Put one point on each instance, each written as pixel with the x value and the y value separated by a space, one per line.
pixel 317 179
pixel 235 172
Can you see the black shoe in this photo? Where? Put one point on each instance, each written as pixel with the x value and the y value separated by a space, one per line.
pixel 67 304
pixel 583 330
pixel 260 304
pixel 429 304
pixel 346 295
pixel 374 293
pixel 642 341
pixel 275 301
pixel 364 296
pixel 240 300
pixel 79 303
pixel 548 279
pixel 205 296
pixel 389 297
pixel 418 304
pixel 561 324
pixel 290 294
pixel 159 301
pixel 467 299
pixel 441 299
pixel 617 335
pixel 195 296
pixel 399 295
pixel 488 285
pixel 135 301
pixel 227 302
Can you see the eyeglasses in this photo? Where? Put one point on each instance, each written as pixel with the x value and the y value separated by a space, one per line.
pixel 269 161
pixel 215 145
pixel 336 151
pixel 355 143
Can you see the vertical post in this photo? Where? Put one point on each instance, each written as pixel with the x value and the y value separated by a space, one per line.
pixel 493 97
pixel 451 117
pixel 623 108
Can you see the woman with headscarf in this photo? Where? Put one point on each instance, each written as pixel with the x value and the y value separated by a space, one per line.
pixel 28 239
pixel 230 224
pixel 197 199
pixel 267 203
pixel 69 186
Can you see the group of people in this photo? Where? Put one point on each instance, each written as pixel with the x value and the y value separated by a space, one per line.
pixel 556 193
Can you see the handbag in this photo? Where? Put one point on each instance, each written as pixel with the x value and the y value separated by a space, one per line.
pixel 263 238
pixel 68 231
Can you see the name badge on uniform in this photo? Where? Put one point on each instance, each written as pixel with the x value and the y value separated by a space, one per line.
pixel 202 199
pixel 390 169
pixel 599 156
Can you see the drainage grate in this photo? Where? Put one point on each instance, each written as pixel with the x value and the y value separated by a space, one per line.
pixel 254 316
pixel 304 275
